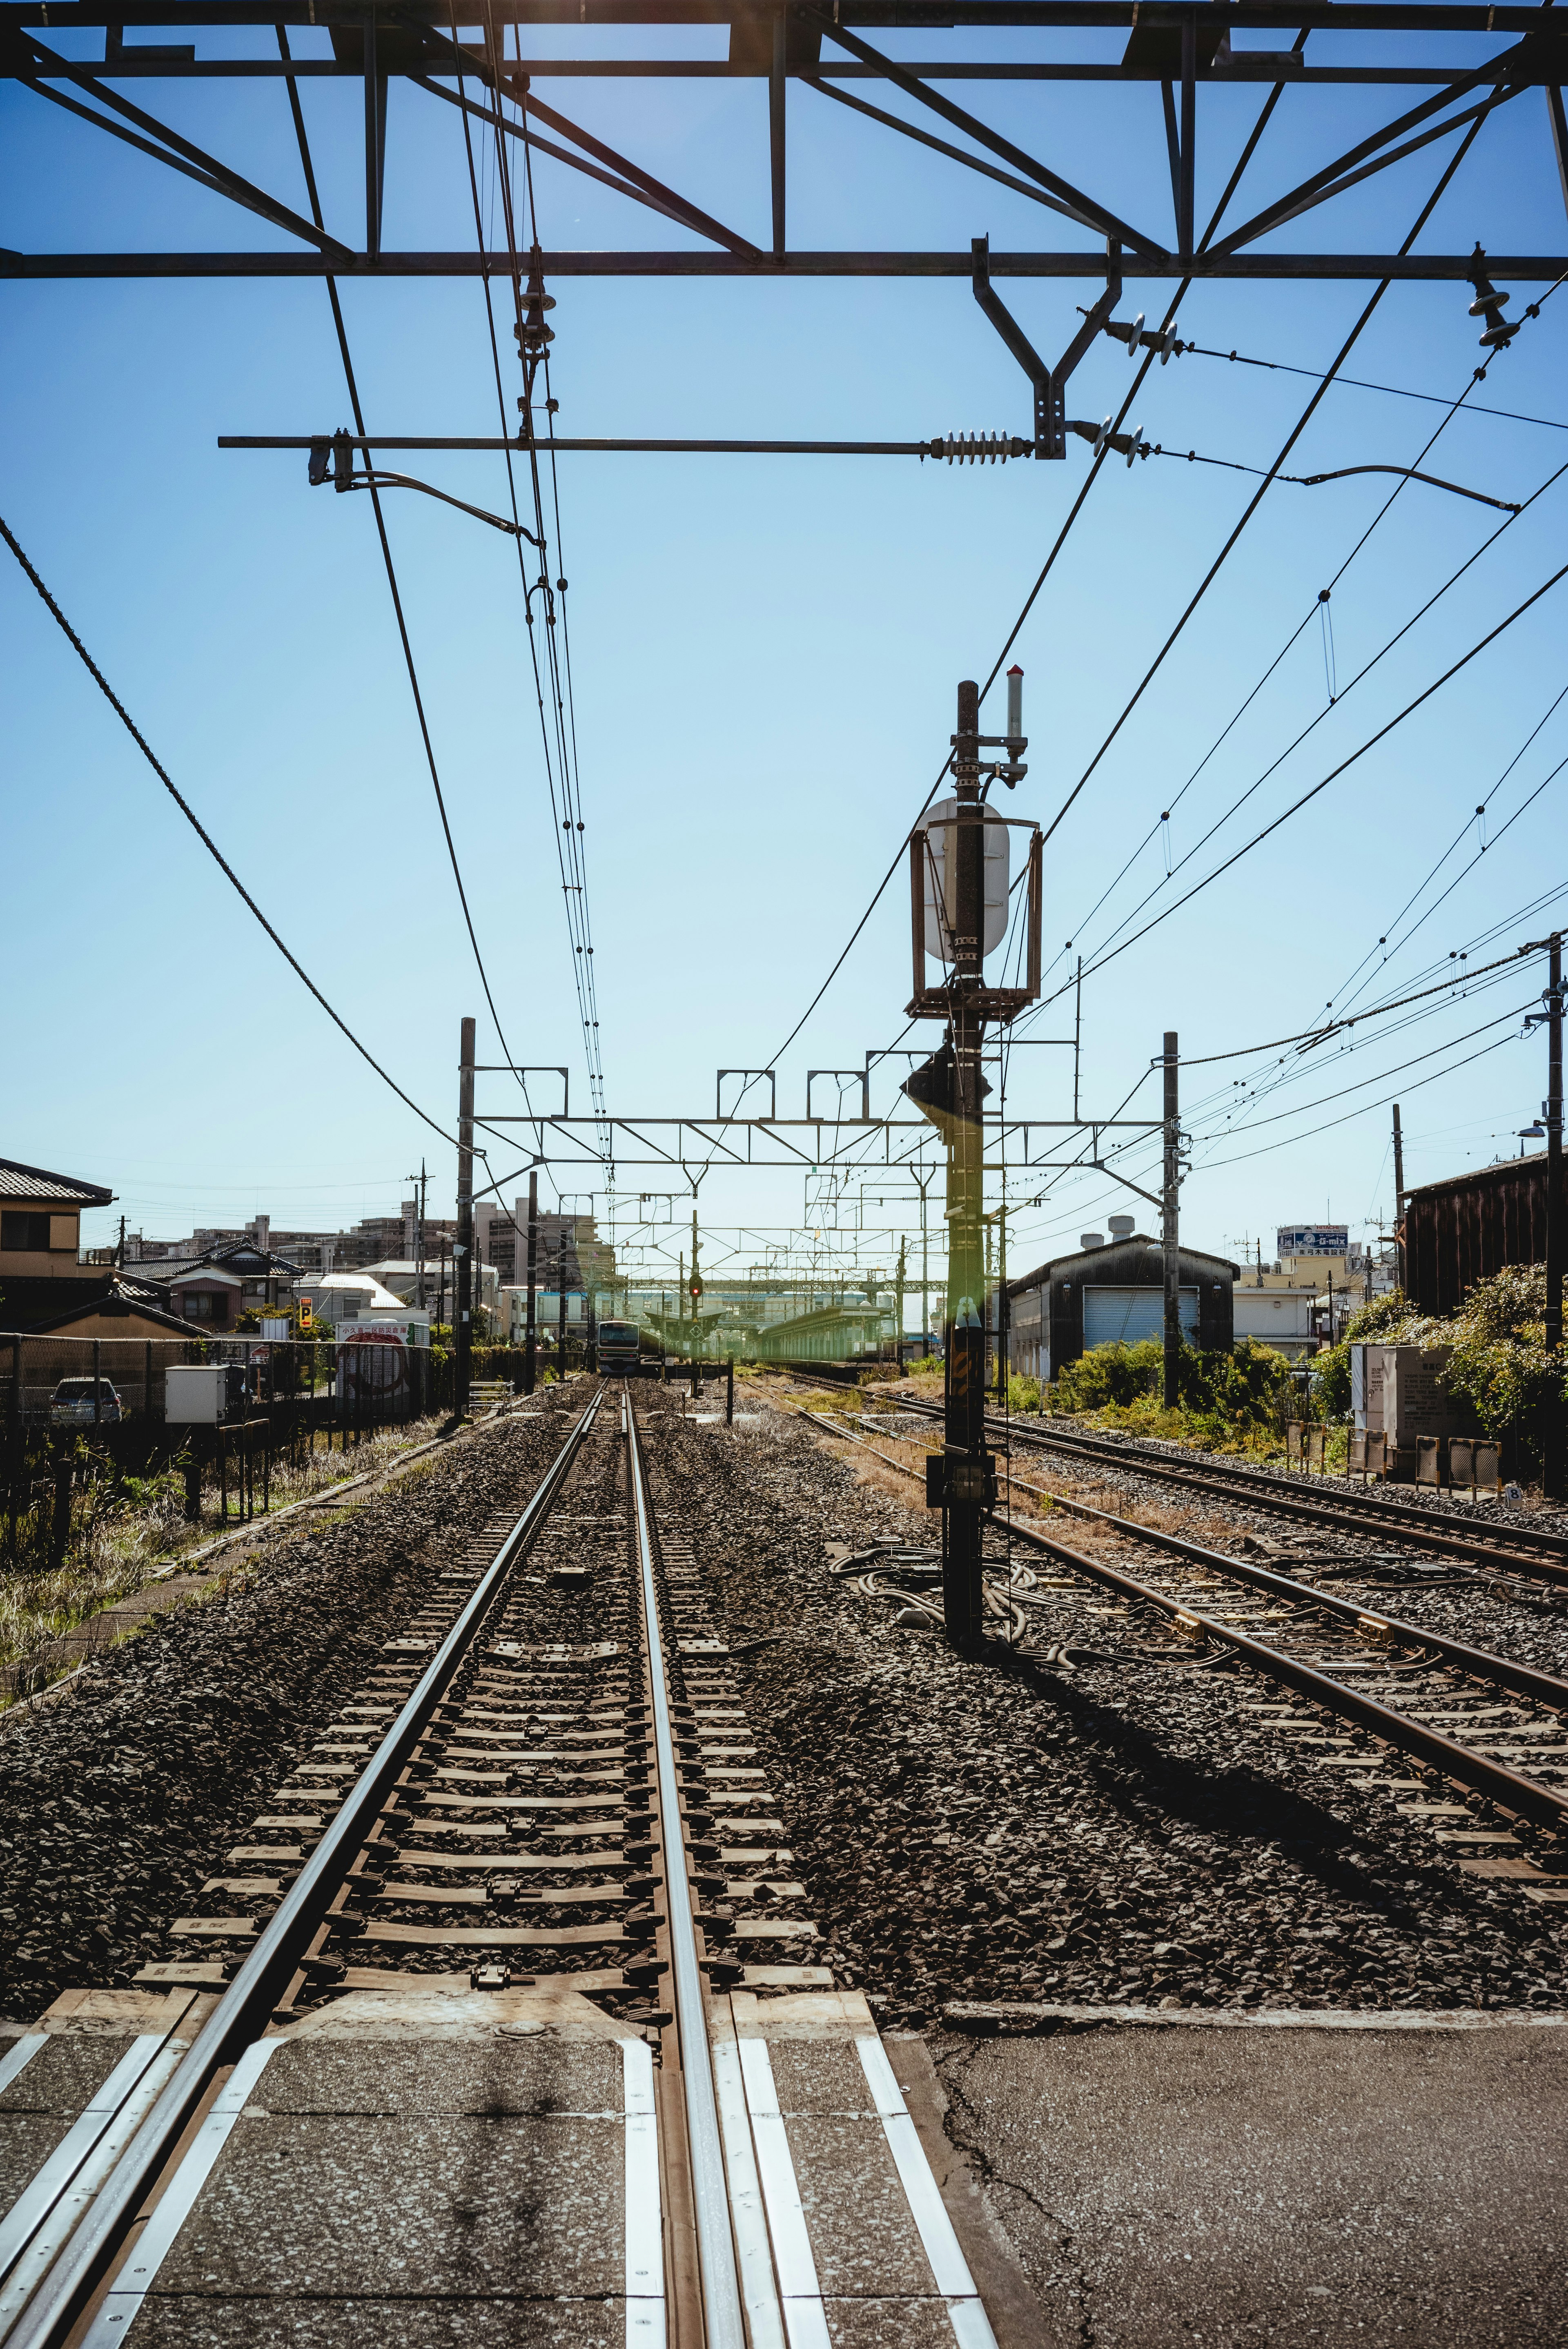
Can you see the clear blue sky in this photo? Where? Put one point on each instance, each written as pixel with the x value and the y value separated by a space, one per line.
pixel 765 652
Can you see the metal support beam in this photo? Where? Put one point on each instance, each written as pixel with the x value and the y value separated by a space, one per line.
pixel 939 146
pixel 375 140
pixel 1189 133
pixel 217 175
pixel 1333 176
pixel 1259 269
pixel 546 147
pixel 1092 215
pixel 1559 138
pixel 777 95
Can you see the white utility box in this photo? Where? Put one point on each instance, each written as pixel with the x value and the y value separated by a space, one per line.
pixel 196 1394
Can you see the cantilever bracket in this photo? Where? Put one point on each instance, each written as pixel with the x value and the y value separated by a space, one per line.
pixel 1050 383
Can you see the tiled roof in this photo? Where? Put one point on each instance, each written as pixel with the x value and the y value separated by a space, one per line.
pixel 19 1181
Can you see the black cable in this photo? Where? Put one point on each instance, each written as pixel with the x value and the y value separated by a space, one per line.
pixel 1077 507
pixel 1292 438
pixel 1418 893
pixel 570 857
pixel 331 283
pixel 1370 743
pixel 205 837
pixel 1312 723
pixel 1356 383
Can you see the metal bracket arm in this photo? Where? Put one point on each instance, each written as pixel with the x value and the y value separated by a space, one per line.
pixel 1049 384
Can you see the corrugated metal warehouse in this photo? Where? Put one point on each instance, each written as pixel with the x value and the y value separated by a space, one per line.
pixel 1458 1231
pixel 1111 1290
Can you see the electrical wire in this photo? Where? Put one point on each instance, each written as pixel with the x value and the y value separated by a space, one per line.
pixel 1335 773
pixel 1418 894
pixel 211 846
pixel 1292 438
pixel 331 282
pixel 562 715
pixel 1395 392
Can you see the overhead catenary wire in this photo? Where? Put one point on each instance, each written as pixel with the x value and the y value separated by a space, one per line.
pixel 1335 773
pixel 1312 724
pixel 558 724
pixel 211 846
pixel 1058 543
pixel 1419 892
pixel 1295 434
pixel 331 282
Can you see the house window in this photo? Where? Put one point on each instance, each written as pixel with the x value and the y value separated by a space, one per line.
pixel 199 1304
pixel 23 1228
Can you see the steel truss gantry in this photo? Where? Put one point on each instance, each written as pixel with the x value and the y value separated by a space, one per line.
pixel 1185 48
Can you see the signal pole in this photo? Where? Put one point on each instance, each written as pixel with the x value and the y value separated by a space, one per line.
pixel 531 1340
pixel 1398 1193
pixel 1551 1462
pixel 1171 1225
pixel 950 1090
pixel 464 1247
pixel 898 1326
pixel 966 1461
pixel 418 1182
pixel 696 1285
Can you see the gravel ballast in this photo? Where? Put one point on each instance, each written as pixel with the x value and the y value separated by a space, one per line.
pixel 1114 1832
pixel 120 1798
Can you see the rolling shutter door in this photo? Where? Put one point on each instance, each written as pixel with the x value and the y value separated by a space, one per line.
pixel 1113 1315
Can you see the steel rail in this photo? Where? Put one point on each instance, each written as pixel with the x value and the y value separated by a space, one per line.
pixel 247 2006
pixel 1541 1553
pixel 1544 1554
pixel 1482 1663
pixel 1503 1671
pixel 1525 1796
pixel 724 2324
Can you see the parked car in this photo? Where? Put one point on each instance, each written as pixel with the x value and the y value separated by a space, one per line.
pixel 74 1404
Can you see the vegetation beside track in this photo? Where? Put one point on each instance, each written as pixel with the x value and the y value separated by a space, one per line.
pixel 1234 1402
pixel 126 1530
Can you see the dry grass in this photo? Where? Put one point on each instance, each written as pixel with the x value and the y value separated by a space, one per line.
pixel 124 1533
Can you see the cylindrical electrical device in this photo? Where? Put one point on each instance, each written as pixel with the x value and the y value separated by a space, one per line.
pixel 1015 703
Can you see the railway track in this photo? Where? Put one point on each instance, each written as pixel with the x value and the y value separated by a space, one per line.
pixel 1484 1724
pixel 1543 1554
pixel 354 2098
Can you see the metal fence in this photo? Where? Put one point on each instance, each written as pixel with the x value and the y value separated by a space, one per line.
pixel 96 1384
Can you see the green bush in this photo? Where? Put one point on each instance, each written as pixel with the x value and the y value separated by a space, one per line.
pixel 1222 1398
pixel 1023 1394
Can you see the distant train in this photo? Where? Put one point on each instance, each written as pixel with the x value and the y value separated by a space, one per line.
pixel 619 1346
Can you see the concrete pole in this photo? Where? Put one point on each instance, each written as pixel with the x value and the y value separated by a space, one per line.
pixel 966 1461
pixel 1553 1461
pixel 530 1337
pixel 1171 1225
pixel 464 1249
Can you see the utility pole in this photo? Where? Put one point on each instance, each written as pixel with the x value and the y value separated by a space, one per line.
pixel 898 1325
pixel 1003 1307
pixel 695 1284
pixel 561 1302
pixel 1398 1199
pixel 1552 1450
pixel 1171 1225
pixel 965 1462
pixel 530 1335
pixel 463 1247
pixel 420 1245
